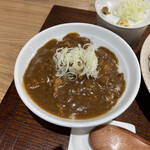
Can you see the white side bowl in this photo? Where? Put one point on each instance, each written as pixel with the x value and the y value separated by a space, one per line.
pixel 144 61
pixel 128 64
pixel 129 34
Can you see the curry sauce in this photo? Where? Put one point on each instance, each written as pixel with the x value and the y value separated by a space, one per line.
pixel 69 97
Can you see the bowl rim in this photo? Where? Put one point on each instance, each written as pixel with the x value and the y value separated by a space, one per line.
pixel 144 61
pixel 68 122
pixel 117 26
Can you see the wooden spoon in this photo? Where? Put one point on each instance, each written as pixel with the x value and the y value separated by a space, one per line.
pixel 111 137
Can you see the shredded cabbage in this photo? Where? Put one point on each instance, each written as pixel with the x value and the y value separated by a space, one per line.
pixel 78 60
pixel 134 10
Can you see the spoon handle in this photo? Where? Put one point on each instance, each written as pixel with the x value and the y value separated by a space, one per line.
pixel 111 137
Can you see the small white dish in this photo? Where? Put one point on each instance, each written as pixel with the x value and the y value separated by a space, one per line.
pixel 79 138
pixel 129 34
pixel 145 51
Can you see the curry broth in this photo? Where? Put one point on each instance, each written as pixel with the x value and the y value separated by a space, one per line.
pixel 81 98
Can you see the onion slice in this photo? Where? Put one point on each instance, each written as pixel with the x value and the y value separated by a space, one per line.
pixel 134 10
pixel 77 60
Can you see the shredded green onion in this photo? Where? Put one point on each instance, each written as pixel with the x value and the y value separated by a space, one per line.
pixel 78 60
pixel 134 10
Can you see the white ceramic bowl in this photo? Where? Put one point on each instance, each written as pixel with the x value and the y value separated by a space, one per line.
pixel 129 34
pixel 128 64
pixel 144 61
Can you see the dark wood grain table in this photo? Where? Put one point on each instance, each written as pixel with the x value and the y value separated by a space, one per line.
pixel 20 129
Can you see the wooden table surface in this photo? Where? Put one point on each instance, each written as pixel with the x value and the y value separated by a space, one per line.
pixel 19 21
